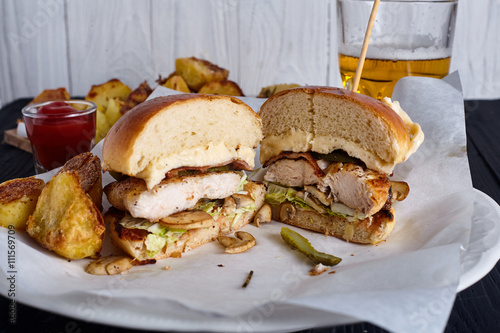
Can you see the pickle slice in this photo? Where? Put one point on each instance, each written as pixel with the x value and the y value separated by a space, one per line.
pixel 301 243
pixel 338 156
pixel 117 175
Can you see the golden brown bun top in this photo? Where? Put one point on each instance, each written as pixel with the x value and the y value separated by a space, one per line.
pixel 174 131
pixel 323 119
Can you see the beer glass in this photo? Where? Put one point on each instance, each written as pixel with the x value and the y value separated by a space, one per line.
pixel 408 38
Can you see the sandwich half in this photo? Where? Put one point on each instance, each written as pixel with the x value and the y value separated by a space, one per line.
pixel 328 154
pixel 180 165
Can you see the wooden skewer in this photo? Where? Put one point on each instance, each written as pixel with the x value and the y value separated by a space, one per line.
pixel 362 56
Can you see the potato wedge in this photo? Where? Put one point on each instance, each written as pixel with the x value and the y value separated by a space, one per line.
pixel 113 111
pixel 268 91
pixel 65 220
pixel 226 87
pixel 196 72
pixel 18 198
pixel 88 167
pixel 102 93
pixel 136 97
pixel 176 82
pixel 102 126
pixel 59 94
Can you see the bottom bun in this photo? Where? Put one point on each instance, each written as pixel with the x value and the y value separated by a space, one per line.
pixel 371 230
pixel 132 241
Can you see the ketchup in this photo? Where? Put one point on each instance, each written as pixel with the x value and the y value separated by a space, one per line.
pixel 59 132
pixel 56 108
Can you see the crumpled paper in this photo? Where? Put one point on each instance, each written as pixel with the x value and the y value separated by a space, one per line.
pixel 407 283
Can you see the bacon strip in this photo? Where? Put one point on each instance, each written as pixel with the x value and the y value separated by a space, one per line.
pixel 295 156
pixel 233 165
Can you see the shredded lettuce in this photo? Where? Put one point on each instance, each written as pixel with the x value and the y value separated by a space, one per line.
pixel 158 236
pixel 240 211
pixel 242 183
pixel 211 208
pixel 154 243
pixel 277 194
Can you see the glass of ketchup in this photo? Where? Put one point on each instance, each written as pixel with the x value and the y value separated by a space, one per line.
pixel 59 131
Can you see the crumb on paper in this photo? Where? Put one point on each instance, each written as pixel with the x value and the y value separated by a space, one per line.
pixel 332 272
pixel 166 268
pixel 318 269
pixel 221 265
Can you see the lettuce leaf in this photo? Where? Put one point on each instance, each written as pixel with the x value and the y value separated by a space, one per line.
pixel 154 243
pixel 277 194
pixel 241 184
pixel 158 236
pixel 211 208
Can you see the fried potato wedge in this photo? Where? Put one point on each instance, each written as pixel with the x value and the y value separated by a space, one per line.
pixel 102 93
pixel 113 111
pixel 18 198
pixel 102 125
pixel 59 94
pixel 136 97
pixel 111 94
pixel 196 72
pixel 175 82
pixel 226 87
pixel 65 220
pixel 88 167
pixel 268 91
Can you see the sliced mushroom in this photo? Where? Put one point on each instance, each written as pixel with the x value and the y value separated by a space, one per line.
pixel 311 201
pixel 321 196
pixel 229 206
pixel 110 265
pixel 226 241
pixel 287 211
pixel 241 243
pixel 263 215
pixel 190 219
pixel 400 190
pixel 242 200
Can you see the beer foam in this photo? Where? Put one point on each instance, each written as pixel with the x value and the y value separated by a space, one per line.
pixel 393 53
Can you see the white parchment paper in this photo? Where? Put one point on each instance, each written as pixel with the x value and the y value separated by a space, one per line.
pixel 407 283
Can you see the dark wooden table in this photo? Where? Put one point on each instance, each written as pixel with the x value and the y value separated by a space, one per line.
pixel 476 309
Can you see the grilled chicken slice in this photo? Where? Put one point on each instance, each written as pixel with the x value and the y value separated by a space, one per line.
pixel 171 195
pixel 365 191
pixel 292 173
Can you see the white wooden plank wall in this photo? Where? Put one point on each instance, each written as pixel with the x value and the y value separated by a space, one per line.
pixel 76 43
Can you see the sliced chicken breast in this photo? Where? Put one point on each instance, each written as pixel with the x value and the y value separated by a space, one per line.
pixel 293 173
pixel 363 190
pixel 171 195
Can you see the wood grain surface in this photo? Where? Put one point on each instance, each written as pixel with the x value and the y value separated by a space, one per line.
pixel 46 44
pixel 10 137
